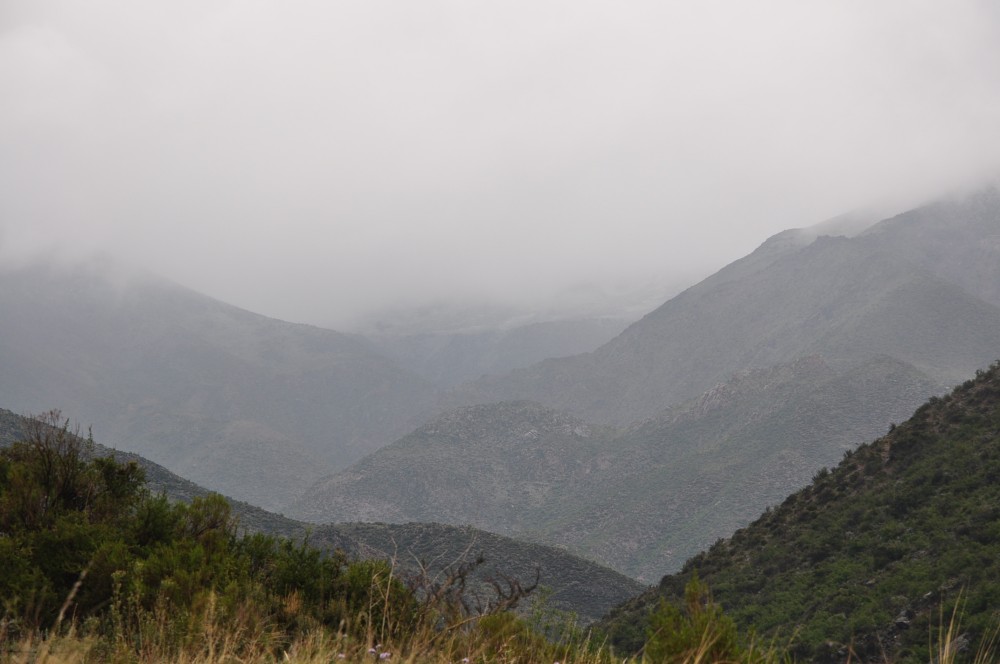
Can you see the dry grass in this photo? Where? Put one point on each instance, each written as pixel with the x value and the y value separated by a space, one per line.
pixel 153 638
pixel 952 643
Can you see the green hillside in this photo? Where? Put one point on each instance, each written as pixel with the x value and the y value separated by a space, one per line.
pixel 867 556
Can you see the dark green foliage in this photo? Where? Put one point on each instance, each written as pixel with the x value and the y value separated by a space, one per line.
pixel 59 515
pixel 85 533
pixel 866 557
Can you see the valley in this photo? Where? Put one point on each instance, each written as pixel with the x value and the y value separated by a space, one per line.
pixel 600 452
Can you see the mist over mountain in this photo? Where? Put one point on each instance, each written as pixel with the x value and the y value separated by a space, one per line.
pixel 449 343
pixel 245 404
pixel 248 405
pixel 689 422
pixel 802 349
pixel 450 359
pixel 454 268
pixel 847 299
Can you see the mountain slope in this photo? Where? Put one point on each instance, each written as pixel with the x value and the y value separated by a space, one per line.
pixel 883 292
pixel 449 359
pixel 869 551
pixel 966 253
pixel 477 465
pixel 641 500
pixel 577 585
pixel 242 403
pixel 675 484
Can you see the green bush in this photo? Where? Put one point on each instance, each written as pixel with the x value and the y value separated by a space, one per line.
pixel 85 532
pixel 697 632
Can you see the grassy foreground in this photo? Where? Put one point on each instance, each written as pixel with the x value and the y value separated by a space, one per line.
pixel 503 640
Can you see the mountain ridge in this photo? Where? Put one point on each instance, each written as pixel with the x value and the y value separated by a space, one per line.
pixel 778 303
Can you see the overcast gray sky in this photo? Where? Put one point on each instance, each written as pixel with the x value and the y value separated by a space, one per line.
pixel 315 160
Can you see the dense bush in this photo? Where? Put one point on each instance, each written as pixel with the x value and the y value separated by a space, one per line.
pixel 698 631
pixel 83 539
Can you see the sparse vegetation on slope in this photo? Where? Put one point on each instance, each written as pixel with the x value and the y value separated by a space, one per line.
pixel 642 500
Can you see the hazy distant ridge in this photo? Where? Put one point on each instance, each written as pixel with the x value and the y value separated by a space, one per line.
pixel 248 405
pixel 884 292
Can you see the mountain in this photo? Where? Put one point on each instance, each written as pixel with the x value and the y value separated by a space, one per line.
pixel 865 562
pixel 245 404
pixel 711 407
pixel 449 343
pixel 891 290
pixel 574 584
pixel 671 486
pixel 448 359
pixel 492 463
pixel 640 500
pixel 571 583
pixel 956 240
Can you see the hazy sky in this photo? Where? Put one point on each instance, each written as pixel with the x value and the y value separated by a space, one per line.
pixel 313 160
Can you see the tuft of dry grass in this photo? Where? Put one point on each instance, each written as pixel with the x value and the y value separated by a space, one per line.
pixel 952 643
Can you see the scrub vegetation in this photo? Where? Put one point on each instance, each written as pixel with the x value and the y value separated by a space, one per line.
pixel 97 568
pixel 871 559
pixel 890 556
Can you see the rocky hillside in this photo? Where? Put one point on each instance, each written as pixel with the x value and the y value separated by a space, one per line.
pixel 640 500
pixel 481 464
pixel 865 559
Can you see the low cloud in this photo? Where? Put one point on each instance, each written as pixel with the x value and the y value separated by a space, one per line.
pixel 315 160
